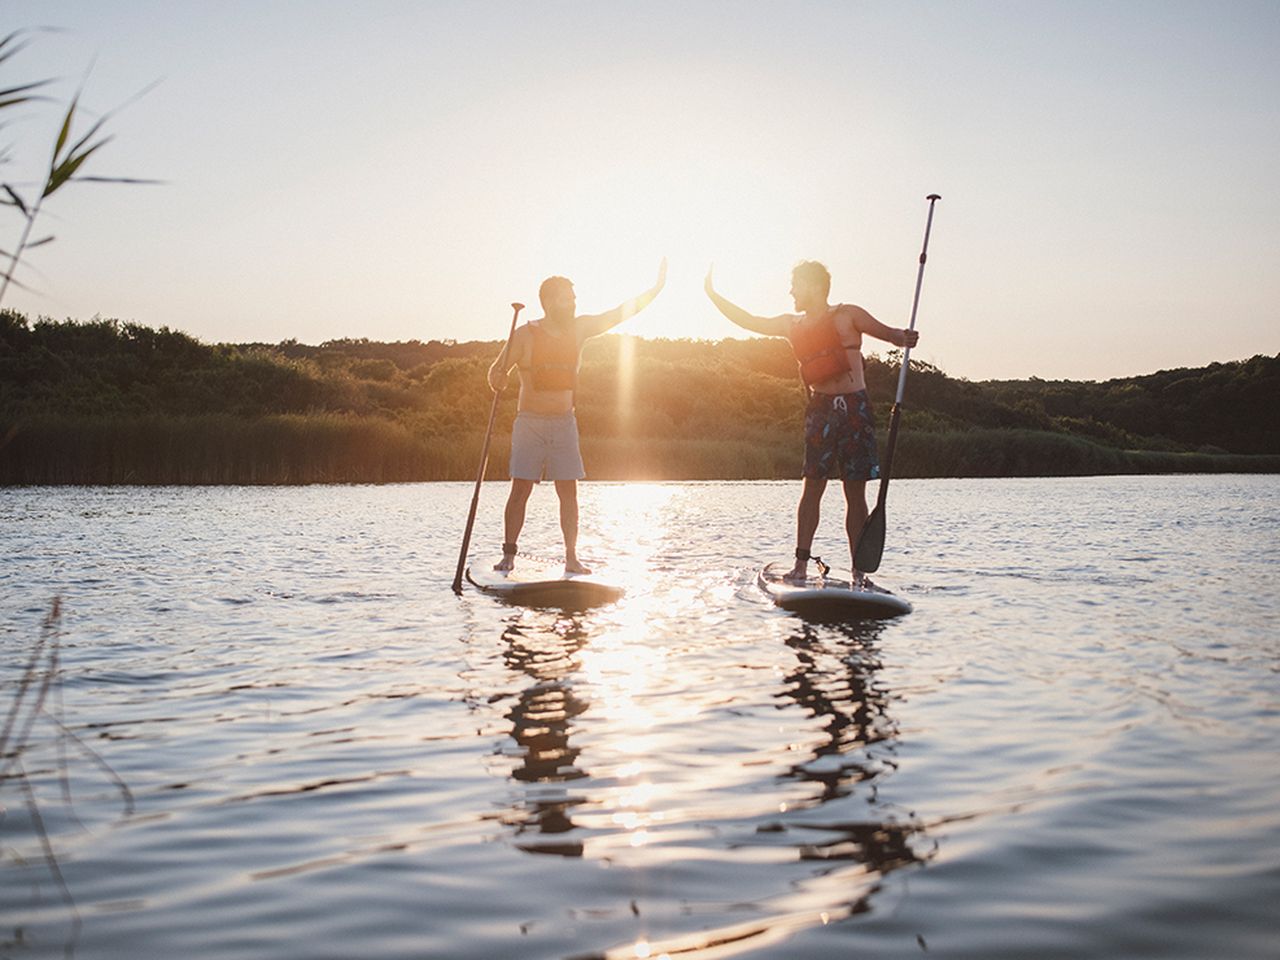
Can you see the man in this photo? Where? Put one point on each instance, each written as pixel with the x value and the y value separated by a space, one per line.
pixel 544 438
pixel 839 429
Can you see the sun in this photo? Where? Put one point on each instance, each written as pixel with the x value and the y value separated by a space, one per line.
pixel 624 216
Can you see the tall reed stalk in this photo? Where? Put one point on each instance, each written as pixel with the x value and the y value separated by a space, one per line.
pixel 66 160
pixel 36 704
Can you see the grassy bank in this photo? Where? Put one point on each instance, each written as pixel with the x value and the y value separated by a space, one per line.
pixel 106 402
pixel 287 448
pixel 337 448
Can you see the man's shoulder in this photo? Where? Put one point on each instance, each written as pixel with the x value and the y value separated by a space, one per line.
pixel 850 313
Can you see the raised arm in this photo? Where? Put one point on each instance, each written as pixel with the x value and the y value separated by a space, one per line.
pixel 898 336
pixel 769 326
pixel 592 325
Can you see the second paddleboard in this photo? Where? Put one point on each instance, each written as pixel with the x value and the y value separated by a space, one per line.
pixel 829 597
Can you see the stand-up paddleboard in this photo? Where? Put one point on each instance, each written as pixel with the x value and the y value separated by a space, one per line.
pixel 829 597
pixel 539 583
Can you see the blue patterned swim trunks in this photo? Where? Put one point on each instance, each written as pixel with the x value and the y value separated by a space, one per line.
pixel 840 437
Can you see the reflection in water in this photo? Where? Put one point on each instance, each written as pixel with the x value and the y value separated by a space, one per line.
pixel 838 687
pixel 852 739
pixel 835 679
pixel 540 723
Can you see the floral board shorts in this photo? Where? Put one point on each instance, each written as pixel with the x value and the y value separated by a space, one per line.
pixel 545 448
pixel 840 437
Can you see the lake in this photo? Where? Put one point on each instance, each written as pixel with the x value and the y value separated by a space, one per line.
pixel 274 732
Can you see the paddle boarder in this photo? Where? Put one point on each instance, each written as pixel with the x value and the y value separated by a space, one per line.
pixel 544 437
pixel 839 428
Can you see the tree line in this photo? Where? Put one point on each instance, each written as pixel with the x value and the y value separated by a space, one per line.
pixel 110 402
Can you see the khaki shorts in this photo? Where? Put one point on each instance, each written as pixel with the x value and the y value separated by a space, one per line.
pixel 545 448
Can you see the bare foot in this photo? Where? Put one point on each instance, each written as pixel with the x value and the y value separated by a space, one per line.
pixel 507 564
pixel 575 566
pixel 799 573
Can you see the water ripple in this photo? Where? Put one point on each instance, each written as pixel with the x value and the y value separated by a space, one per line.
pixel 1065 750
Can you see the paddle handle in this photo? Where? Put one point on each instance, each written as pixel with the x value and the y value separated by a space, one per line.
pixel 915 300
pixel 484 458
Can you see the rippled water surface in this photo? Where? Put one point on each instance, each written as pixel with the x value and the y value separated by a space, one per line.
pixel 276 733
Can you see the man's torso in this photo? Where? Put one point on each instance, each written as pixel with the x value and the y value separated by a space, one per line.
pixel 853 379
pixel 559 341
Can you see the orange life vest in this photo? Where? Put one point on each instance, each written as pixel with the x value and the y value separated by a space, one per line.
pixel 819 350
pixel 555 360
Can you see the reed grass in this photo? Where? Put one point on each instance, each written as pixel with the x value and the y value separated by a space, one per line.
pixel 682 458
pixel 35 705
pixel 348 448
pixel 224 449
pixel 67 163
pixel 1032 453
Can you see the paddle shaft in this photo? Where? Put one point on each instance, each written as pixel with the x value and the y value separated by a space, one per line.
pixel 886 470
pixel 484 457
pixel 870 545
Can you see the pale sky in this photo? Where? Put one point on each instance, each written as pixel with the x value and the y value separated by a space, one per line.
pixel 404 170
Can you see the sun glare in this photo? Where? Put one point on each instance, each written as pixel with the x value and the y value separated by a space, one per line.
pixel 626 379
pixel 610 235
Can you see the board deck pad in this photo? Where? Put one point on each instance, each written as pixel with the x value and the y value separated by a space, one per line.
pixel 543 583
pixel 829 597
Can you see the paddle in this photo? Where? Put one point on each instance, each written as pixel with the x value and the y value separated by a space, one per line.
pixel 484 457
pixel 866 556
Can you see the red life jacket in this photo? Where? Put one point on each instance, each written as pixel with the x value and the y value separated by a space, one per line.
pixel 555 360
pixel 819 350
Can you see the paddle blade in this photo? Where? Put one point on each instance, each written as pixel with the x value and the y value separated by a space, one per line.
pixel 866 556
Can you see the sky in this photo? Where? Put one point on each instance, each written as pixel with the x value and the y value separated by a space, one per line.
pixel 405 170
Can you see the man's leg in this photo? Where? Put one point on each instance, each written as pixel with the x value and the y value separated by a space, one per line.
pixel 855 516
pixel 513 521
pixel 807 514
pixel 567 491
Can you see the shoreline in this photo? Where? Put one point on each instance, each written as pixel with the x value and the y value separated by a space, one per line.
pixel 292 450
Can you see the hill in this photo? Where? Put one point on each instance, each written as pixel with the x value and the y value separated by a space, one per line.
pixel 104 401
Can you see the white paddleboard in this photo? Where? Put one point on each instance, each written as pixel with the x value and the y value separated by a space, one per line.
pixel 537 583
pixel 829 597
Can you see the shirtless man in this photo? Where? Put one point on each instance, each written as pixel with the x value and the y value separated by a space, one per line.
pixel 544 437
pixel 839 429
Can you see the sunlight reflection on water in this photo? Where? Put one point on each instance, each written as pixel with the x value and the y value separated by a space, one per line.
pixel 1068 743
